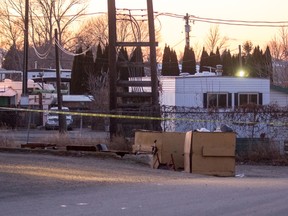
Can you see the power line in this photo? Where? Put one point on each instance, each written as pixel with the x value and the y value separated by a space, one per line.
pixel 252 23
pixel 229 21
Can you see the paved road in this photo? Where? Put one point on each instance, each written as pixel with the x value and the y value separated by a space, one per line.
pixel 45 185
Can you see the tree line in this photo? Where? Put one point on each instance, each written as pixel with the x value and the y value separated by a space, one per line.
pixel 87 68
pixel 254 61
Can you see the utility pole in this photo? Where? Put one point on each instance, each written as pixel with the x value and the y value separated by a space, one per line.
pixel 153 63
pixel 240 57
pixel 61 117
pixel 112 63
pixel 187 30
pixel 24 98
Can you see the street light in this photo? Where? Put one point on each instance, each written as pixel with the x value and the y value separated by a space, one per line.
pixel 241 73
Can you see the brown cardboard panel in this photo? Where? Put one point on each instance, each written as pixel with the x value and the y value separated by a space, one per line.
pixel 168 143
pixel 218 151
pixel 213 153
pixel 188 152
pixel 144 140
pixel 173 144
pixel 219 166
pixel 187 163
pixel 187 142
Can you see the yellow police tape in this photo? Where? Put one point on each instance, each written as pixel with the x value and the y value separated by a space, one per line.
pixel 87 114
pixel 101 115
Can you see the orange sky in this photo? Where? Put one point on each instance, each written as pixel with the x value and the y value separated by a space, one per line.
pixel 245 10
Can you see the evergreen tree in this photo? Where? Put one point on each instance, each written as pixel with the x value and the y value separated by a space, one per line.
pixel 76 74
pixel 218 60
pixel 170 65
pixel 105 58
pixel 212 60
pixel 166 61
pixel 235 65
pixel 137 57
pixel 248 65
pixel 189 62
pixel 13 59
pixel 247 48
pixel 174 71
pixel 227 63
pixel 193 61
pixel 98 61
pixel 87 71
pixel 204 61
pixel 123 71
pixel 256 62
pixel 89 62
pixel 268 64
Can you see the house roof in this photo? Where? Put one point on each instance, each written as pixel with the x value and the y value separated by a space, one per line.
pixel 279 89
pixel 7 92
pixel 77 98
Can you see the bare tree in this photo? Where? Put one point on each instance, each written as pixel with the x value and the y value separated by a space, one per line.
pixel 95 30
pixel 98 87
pixel 279 51
pixel 45 16
pixel 279 45
pixel 11 26
pixel 214 39
pixel 198 51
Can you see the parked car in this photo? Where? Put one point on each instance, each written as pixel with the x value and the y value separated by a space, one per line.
pixel 52 122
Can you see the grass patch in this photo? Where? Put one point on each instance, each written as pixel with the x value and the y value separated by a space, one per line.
pixel 62 140
pixel 267 154
pixel 118 143
pixel 6 142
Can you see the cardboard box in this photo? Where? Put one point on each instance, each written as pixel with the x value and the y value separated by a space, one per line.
pixel 170 146
pixel 212 153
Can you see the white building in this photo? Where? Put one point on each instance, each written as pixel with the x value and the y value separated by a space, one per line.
pixel 213 91
pixel 279 96
pixel 47 73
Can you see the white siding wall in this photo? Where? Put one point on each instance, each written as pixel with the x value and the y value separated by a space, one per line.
pixel 189 90
pixel 279 98
pixel 167 94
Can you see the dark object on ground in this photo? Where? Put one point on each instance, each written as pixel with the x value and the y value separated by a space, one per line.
pixel 38 145
pixel 81 148
pixel 226 128
pixel 102 147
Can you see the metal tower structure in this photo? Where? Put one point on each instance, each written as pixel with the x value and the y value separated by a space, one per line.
pixel 127 96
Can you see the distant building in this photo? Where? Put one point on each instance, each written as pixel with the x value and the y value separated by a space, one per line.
pixel 48 76
pixel 47 73
pixel 280 73
pixel 11 91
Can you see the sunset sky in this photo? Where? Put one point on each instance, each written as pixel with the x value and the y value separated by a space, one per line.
pixel 173 32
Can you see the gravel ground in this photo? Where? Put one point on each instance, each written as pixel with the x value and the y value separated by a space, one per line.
pixel 134 168
pixel 48 183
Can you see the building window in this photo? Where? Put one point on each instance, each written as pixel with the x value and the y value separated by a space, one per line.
pixel 219 100
pixel 248 98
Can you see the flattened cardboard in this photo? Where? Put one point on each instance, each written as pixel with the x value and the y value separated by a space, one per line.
pixel 213 153
pixel 168 143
